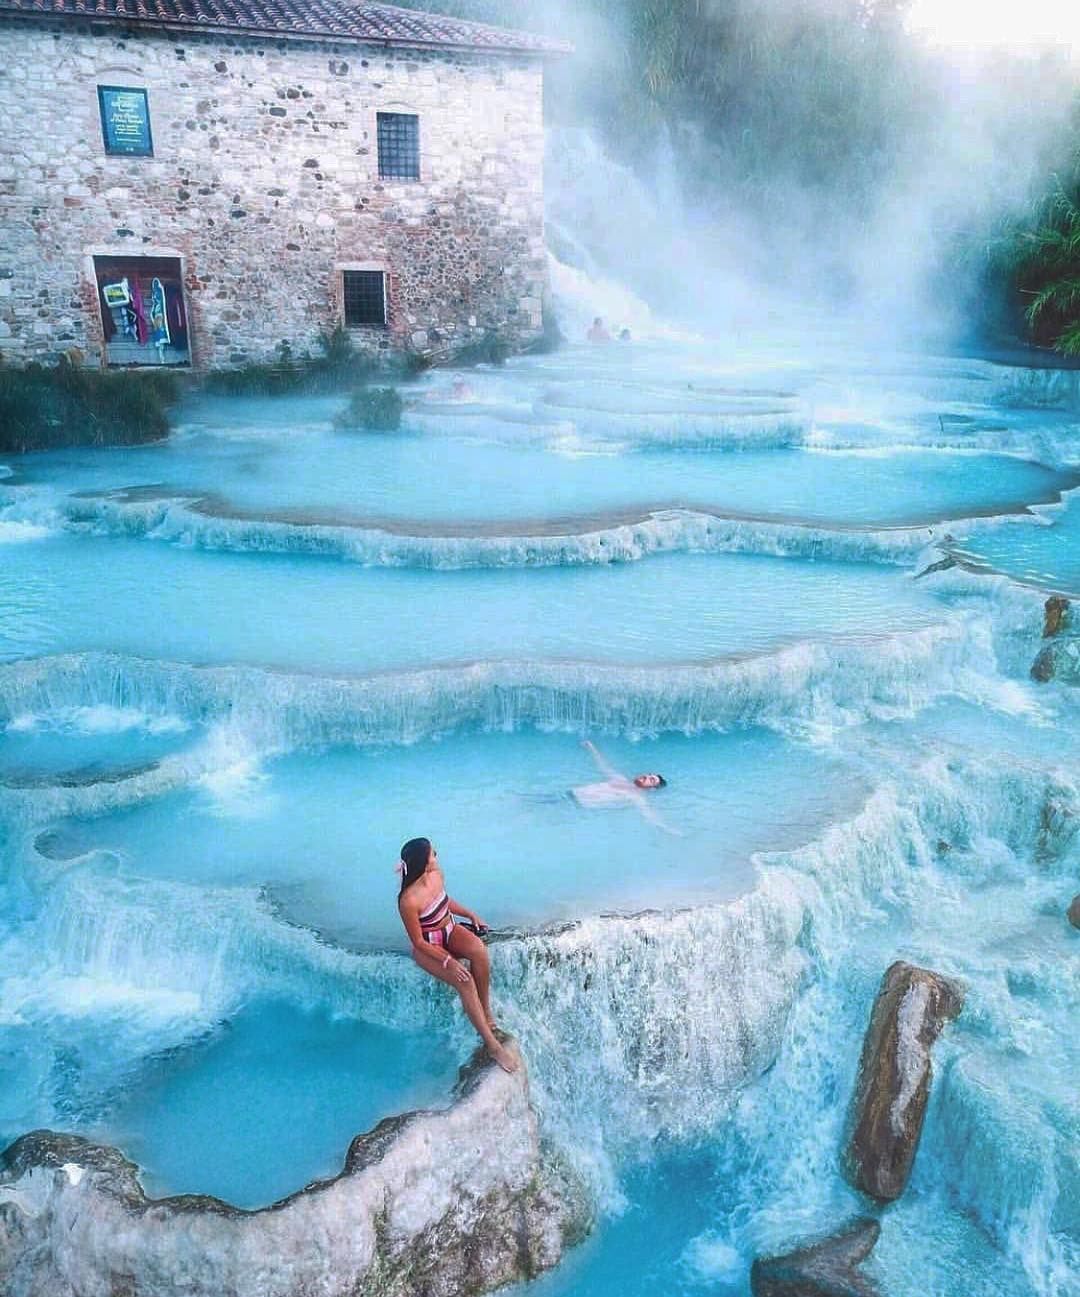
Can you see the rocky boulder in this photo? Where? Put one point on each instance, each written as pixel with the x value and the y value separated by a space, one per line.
pixel 431 1204
pixel 1056 616
pixel 1058 660
pixel 895 1072
pixel 827 1268
pixel 1074 911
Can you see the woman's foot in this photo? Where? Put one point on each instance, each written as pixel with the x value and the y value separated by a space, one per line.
pixel 501 1055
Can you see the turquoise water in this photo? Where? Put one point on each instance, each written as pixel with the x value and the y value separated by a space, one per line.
pixel 1047 556
pixel 238 1092
pixel 212 748
pixel 330 477
pixel 521 842
pixel 68 593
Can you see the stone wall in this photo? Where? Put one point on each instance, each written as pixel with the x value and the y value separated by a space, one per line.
pixel 264 182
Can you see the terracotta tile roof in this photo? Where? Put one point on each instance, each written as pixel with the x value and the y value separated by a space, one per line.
pixel 372 24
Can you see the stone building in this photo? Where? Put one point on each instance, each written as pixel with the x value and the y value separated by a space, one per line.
pixel 201 181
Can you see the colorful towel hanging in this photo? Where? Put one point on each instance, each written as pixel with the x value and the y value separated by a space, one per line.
pixel 159 319
pixel 142 329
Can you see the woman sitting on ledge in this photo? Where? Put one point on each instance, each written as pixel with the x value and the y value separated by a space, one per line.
pixel 439 944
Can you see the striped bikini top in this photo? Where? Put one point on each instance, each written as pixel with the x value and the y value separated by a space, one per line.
pixel 436 914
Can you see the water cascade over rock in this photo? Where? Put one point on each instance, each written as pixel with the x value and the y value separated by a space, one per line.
pixel 1060 659
pixel 441 1203
pixel 895 1072
pixel 828 1268
pixel 1056 616
pixel 204 987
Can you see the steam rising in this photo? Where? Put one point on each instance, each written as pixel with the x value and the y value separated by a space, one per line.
pixel 814 172
pixel 741 166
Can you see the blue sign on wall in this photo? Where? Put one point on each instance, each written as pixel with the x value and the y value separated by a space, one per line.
pixel 125 121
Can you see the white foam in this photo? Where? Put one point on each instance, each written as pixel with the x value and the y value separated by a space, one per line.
pixel 90 996
pixel 659 532
pixel 20 533
pixel 233 777
pixel 837 682
pixel 710 1257
pixel 96 718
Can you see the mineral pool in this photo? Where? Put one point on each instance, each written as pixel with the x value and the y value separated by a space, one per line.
pixel 239 668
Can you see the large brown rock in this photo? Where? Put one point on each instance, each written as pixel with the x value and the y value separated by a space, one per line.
pixel 1058 660
pixel 1056 617
pixel 827 1268
pixel 895 1072
pixel 1074 911
pixel 450 1203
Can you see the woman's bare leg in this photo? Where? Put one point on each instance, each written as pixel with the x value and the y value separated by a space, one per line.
pixel 467 945
pixel 474 1011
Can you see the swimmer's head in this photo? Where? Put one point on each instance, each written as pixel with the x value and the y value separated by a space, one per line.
pixel 650 781
pixel 415 856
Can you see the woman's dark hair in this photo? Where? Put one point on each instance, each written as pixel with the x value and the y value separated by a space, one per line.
pixel 414 856
pixel 662 783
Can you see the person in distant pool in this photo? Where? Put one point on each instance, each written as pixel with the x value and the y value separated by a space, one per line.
pixel 620 790
pixel 439 945
pixel 624 335
pixel 598 332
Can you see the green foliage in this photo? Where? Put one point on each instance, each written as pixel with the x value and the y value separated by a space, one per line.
pixel 339 366
pixel 374 409
pixel 491 349
pixel 1038 257
pixel 337 348
pixel 42 407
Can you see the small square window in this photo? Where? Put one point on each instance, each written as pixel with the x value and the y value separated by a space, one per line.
pixel 365 298
pixel 399 146
pixel 125 121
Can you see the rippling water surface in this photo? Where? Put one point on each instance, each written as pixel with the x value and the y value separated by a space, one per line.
pixel 239 668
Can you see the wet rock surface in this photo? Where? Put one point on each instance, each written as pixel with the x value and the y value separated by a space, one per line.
pixel 88 776
pixel 429 1204
pixel 1074 911
pixel 827 1268
pixel 942 565
pixel 1056 616
pixel 895 1072
pixel 1058 660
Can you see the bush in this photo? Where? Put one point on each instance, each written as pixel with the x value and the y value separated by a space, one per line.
pixel 1040 260
pixel 42 408
pixel 339 366
pixel 377 409
pixel 491 349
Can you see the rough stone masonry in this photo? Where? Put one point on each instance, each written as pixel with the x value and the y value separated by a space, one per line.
pixel 264 183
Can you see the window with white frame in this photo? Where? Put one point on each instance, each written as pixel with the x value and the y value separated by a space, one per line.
pixel 364 296
pixel 399 146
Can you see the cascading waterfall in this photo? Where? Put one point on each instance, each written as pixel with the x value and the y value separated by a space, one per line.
pixel 719 1025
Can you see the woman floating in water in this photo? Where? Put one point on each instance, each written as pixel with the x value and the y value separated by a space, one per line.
pixel 439 944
